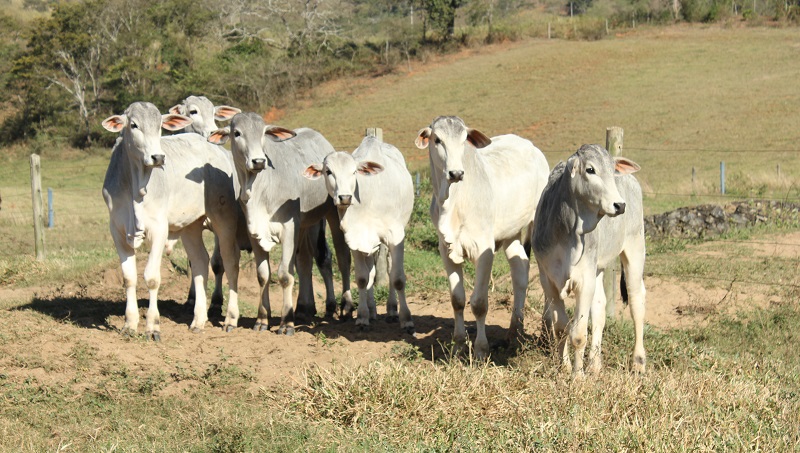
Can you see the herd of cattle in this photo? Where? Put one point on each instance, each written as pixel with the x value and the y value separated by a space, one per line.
pixel 488 193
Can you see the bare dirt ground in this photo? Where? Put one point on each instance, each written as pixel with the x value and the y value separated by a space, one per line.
pixel 54 324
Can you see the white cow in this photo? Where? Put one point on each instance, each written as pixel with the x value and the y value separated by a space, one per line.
pixel 203 114
pixel 580 230
pixel 485 193
pixel 373 192
pixel 281 205
pixel 164 188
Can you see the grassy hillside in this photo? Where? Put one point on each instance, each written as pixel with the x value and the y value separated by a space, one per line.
pixel 686 96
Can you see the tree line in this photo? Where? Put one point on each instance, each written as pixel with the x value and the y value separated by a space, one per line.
pixel 84 60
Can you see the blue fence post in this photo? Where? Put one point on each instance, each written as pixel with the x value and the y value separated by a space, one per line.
pixel 50 212
pixel 722 178
pixel 417 185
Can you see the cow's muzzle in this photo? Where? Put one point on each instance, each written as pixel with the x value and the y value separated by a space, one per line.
pixel 158 160
pixel 455 175
pixel 259 164
pixel 619 208
pixel 345 200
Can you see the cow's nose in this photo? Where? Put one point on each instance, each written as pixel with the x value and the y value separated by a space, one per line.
pixel 158 160
pixel 258 164
pixel 619 208
pixel 455 175
pixel 345 200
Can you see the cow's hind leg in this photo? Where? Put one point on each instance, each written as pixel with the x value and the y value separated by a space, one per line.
pixel 520 266
pixel 343 259
pixel 192 238
pixel 398 284
pixel 218 268
pixel 286 277
pixel 306 309
pixel 633 263
pixel 227 247
pixel 598 311
pixel 323 257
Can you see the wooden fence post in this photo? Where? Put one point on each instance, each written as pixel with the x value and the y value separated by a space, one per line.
pixel 38 206
pixel 382 257
pixel 614 146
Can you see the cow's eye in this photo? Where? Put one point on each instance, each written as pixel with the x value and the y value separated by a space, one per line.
pixel 437 141
pixel 134 125
pixel 328 172
pixel 193 112
pixel 590 170
pixel 237 134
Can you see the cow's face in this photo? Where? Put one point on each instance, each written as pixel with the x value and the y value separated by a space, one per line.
pixel 446 140
pixel 592 171
pixel 339 170
pixel 203 114
pixel 140 126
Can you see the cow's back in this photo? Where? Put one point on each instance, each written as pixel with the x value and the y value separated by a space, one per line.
pixel 517 172
pixel 281 187
pixel 385 200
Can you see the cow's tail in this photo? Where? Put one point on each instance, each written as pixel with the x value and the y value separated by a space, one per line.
pixel 623 286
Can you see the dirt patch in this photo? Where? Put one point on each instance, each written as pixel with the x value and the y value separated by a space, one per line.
pixel 44 328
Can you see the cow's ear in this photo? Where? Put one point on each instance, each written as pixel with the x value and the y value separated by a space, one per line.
pixel 115 123
pixel 314 171
pixel 173 122
pixel 573 166
pixel 478 139
pixel 220 136
pixel 225 112
pixel 423 138
pixel 624 166
pixel 279 134
pixel 367 168
pixel 176 109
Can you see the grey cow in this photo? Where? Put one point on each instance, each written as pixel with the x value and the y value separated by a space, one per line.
pixel 164 188
pixel 581 229
pixel 485 193
pixel 281 206
pixel 374 195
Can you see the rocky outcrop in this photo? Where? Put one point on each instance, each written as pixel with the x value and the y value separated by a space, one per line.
pixel 712 220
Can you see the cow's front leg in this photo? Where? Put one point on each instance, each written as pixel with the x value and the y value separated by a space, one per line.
pixel 365 277
pixel 262 272
pixel 455 279
pixel 398 284
pixel 152 278
pixel 192 237
pixel 480 301
pixel 286 277
pixel 583 287
pixel 598 313
pixel 127 260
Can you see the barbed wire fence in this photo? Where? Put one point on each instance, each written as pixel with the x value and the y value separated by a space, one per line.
pixel 80 214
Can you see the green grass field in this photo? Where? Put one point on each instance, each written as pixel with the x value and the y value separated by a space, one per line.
pixel 685 96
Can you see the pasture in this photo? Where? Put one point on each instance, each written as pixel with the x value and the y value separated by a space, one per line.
pixel 723 369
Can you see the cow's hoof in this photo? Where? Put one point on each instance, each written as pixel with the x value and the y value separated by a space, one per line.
pixel 286 330
pixel 410 330
pixel 261 327
pixel 127 332
pixel 330 309
pixel 391 319
pixel 154 336
pixel 364 327
pixel 229 328
pixel 196 330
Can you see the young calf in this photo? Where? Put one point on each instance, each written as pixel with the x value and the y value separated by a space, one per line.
pixel 579 230
pixel 374 196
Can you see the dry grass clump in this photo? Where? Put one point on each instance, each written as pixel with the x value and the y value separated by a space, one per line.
pixel 454 406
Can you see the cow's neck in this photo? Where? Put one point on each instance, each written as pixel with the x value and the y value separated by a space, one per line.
pixel 140 178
